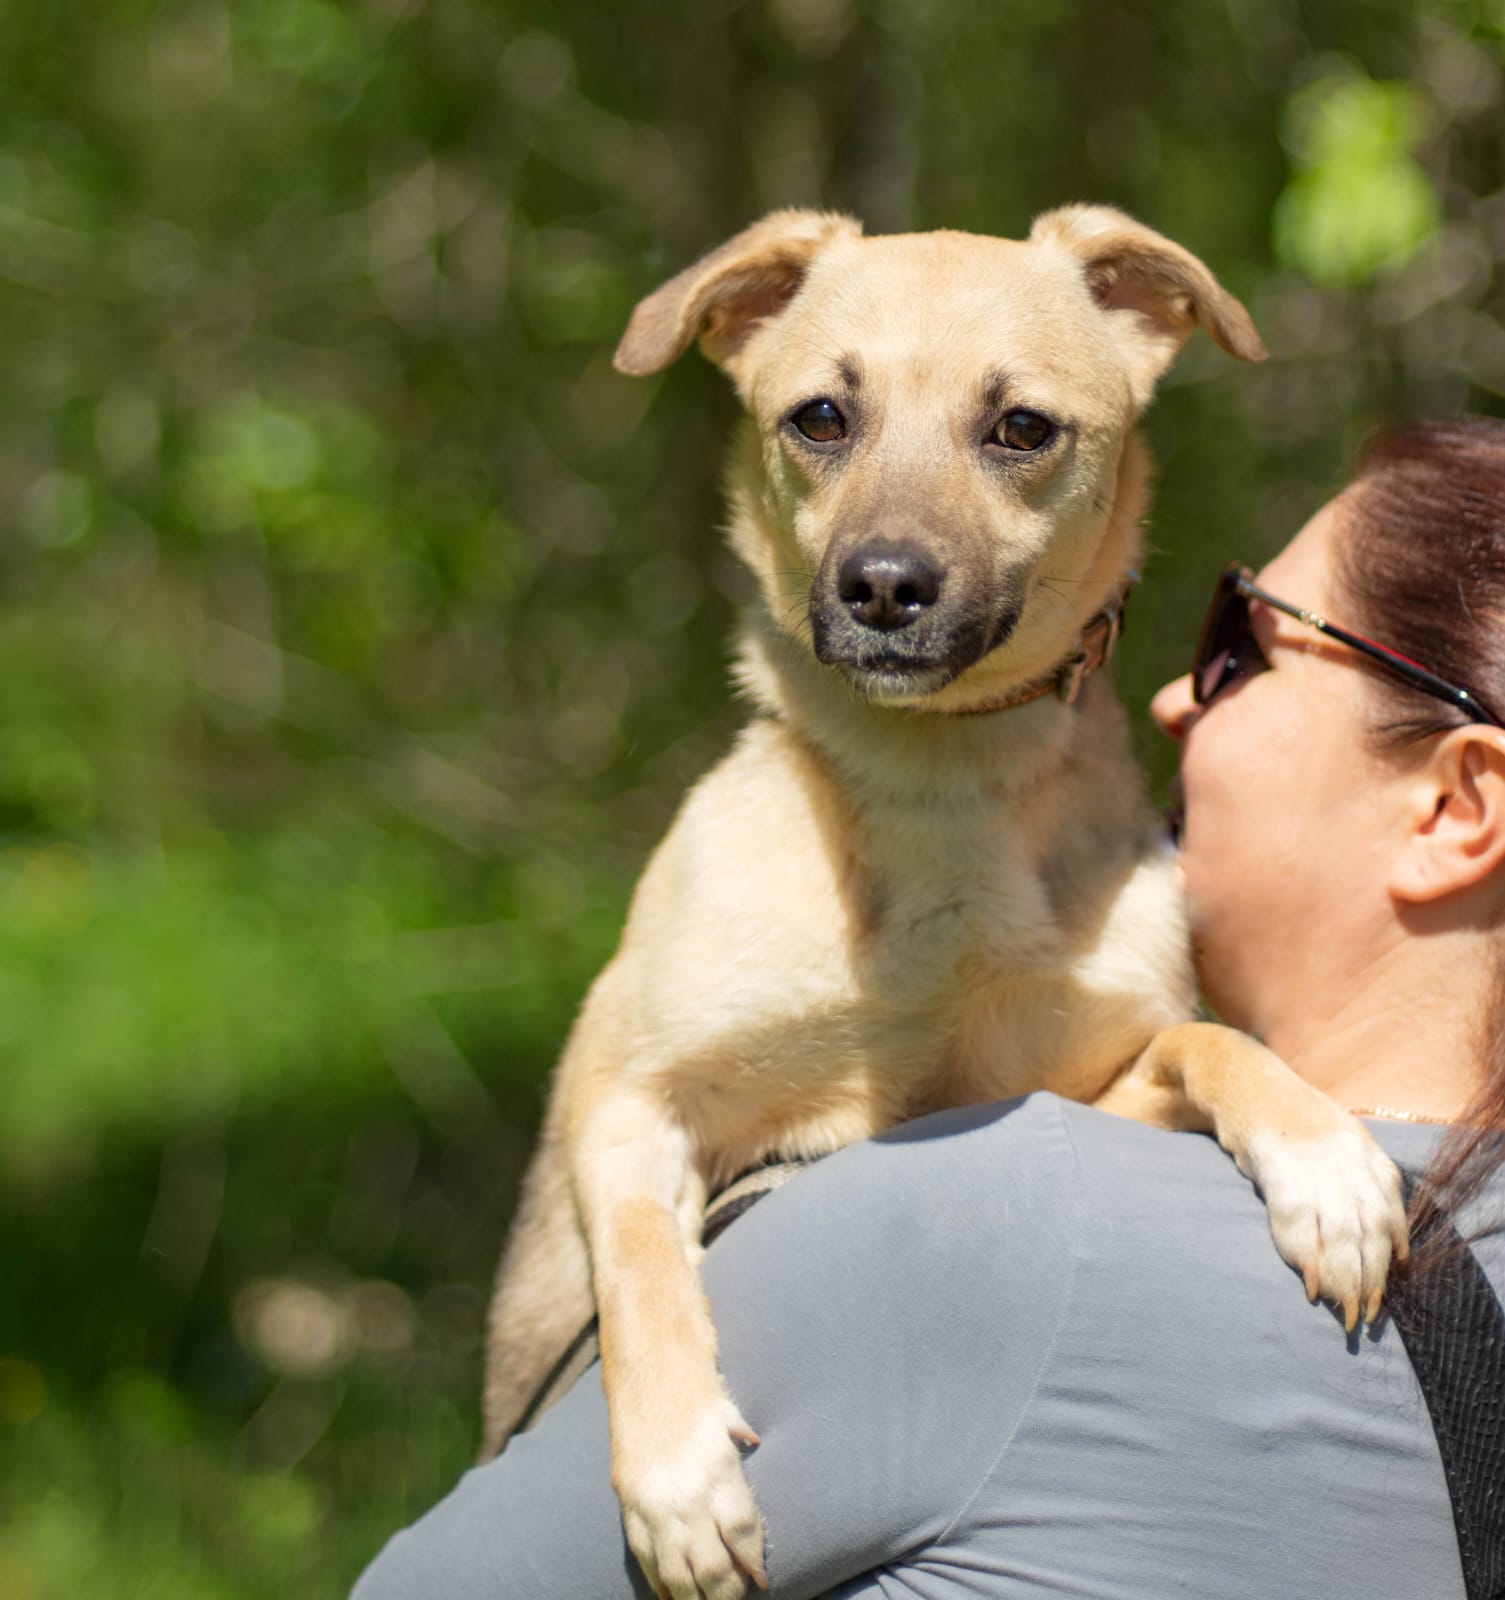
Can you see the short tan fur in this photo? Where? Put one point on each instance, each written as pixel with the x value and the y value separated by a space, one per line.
pixel 888 899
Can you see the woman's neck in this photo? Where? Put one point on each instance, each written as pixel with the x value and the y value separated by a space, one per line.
pixel 1403 1031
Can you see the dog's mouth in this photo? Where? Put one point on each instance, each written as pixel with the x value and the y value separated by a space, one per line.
pixel 908 663
pixel 898 677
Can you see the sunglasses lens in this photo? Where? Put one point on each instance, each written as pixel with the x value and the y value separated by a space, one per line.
pixel 1227 650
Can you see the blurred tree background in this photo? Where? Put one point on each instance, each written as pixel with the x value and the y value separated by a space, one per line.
pixel 360 627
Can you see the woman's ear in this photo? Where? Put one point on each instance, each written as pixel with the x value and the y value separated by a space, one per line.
pixel 1456 826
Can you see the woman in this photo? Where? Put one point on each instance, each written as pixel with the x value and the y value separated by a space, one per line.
pixel 1030 1349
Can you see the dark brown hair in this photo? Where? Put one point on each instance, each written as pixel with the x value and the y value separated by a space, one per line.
pixel 1420 566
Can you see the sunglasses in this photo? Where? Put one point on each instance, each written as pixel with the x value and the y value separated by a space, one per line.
pixel 1228 652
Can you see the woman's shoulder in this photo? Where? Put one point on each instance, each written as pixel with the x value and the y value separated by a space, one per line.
pixel 1037 1147
pixel 1042 1142
pixel 1018 1191
pixel 986 1188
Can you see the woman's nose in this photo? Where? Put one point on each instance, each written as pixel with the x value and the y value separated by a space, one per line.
pixel 1173 708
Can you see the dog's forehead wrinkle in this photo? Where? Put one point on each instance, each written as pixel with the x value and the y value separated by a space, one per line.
pixel 914 382
pixel 803 327
pixel 974 307
pixel 892 331
pixel 799 357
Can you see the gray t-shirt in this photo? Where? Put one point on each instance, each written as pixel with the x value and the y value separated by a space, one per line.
pixel 1025 1349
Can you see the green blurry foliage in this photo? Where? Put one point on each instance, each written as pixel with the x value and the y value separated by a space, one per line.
pixel 1359 200
pixel 360 627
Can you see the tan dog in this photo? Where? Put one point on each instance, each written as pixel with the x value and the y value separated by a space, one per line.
pixel 928 874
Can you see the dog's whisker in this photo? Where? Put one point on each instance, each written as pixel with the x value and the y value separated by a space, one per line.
pixel 1052 588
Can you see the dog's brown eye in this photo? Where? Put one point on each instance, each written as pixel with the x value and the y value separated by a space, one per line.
pixel 1023 430
pixel 820 421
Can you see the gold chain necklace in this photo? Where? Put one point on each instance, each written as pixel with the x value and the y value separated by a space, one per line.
pixel 1395 1114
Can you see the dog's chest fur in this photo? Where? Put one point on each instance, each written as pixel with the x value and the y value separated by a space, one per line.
pixel 929 918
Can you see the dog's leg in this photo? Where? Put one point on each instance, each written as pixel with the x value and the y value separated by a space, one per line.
pixel 1333 1195
pixel 542 1298
pixel 686 1506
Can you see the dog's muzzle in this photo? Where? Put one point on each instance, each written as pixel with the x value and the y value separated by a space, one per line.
pixel 890 616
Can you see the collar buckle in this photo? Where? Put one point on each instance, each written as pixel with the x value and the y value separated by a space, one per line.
pixel 1095 644
pixel 1072 675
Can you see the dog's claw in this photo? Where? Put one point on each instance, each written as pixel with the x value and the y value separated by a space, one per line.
pixel 1336 1213
pixel 690 1517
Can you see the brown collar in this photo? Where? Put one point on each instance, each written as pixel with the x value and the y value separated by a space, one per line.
pixel 1094 646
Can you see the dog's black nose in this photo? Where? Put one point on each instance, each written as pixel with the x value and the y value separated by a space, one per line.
pixel 886 587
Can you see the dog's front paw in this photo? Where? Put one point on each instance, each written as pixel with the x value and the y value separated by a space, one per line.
pixel 1335 1210
pixel 690 1517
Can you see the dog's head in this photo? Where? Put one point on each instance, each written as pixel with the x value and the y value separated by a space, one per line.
pixel 940 426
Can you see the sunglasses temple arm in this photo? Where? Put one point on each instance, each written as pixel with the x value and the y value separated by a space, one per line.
pixel 1438 688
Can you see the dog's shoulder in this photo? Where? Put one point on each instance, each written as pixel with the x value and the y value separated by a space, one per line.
pixel 762 854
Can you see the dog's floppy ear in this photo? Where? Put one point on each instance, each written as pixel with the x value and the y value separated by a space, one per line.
pixel 725 294
pixel 1163 290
